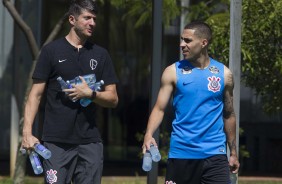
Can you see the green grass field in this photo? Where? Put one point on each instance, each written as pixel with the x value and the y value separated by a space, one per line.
pixel 126 180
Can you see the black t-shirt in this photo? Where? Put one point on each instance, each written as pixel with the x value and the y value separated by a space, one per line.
pixel 66 121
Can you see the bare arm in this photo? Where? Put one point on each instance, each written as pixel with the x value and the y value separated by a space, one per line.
pixel 230 120
pixel 31 109
pixel 167 85
pixel 108 97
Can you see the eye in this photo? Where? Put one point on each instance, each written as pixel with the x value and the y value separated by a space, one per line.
pixel 186 40
pixel 87 18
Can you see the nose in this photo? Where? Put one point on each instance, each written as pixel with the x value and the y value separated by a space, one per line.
pixel 182 43
pixel 92 22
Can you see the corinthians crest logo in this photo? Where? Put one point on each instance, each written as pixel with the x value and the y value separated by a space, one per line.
pixel 214 84
pixel 51 176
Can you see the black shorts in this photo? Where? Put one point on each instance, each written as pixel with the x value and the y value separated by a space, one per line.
pixel 74 163
pixel 212 170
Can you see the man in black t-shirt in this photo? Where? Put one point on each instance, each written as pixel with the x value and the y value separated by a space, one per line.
pixel 69 130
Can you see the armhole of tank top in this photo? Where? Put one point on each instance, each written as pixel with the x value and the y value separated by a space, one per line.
pixel 175 87
pixel 176 73
pixel 223 68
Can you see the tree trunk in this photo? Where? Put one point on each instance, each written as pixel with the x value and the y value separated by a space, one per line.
pixel 19 173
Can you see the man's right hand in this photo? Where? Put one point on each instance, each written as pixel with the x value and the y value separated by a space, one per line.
pixel 148 141
pixel 28 141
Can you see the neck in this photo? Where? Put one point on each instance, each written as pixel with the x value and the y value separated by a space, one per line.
pixel 75 40
pixel 201 62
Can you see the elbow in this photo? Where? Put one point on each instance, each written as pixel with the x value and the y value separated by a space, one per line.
pixel 114 103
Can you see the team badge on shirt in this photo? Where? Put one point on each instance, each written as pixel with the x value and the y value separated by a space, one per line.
pixel 186 70
pixel 51 176
pixel 214 70
pixel 214 84
pixel 221 150
pixel 93 64
pixel 170 182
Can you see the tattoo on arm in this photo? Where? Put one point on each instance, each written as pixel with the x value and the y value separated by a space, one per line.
pixel 228 110
pixel 232 144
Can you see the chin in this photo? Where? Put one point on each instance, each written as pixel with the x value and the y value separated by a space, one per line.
pixel 186 57
pixel 89 34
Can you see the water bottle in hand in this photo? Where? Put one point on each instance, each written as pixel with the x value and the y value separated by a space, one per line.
pixel 233 178
pixel 64 84
pixel 147 161
pixel 35 162
pixel 156 156
pixel 42 150
pixel 84 102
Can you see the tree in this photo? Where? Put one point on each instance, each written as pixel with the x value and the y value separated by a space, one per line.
pixel 262 51
pixel 21 160
pixel 261 44
pixel 142 10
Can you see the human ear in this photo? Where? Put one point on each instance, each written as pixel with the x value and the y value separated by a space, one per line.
pixel 71 19
pixel 204 43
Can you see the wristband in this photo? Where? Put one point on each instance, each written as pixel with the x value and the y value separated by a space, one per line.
pixel 93 96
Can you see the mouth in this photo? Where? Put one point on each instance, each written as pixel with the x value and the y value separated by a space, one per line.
pixel 90 31
pixel 185 51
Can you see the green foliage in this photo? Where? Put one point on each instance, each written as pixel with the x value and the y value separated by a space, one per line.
pixel 261 45
pixel 205 8
pixel 219 48
pixel 243 152
pixel 262 50
pixel 141 10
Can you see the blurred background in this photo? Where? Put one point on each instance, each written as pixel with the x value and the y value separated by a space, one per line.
pixel 124 28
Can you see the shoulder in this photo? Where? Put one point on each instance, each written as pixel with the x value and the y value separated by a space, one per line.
pixel 228 77
pixel 95 47
pixel 58 44
pixel 170 69
pixel 169 74
pixel 216 62
pixel 227 74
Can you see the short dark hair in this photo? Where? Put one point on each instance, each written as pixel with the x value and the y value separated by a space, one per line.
pixel 202 30
pixel 77 6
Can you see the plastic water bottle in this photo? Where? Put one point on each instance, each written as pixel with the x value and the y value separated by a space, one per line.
pixel 147 161
pixel 97 86
pixel 90 78
pixel 64 84
pixel 233 178
pixel 35 162
pixel 84 102
pixel 42 150
pixel 23 151
pixel 156 156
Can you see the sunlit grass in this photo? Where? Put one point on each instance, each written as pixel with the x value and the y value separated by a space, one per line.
pixel 122 180
pixel 260 182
